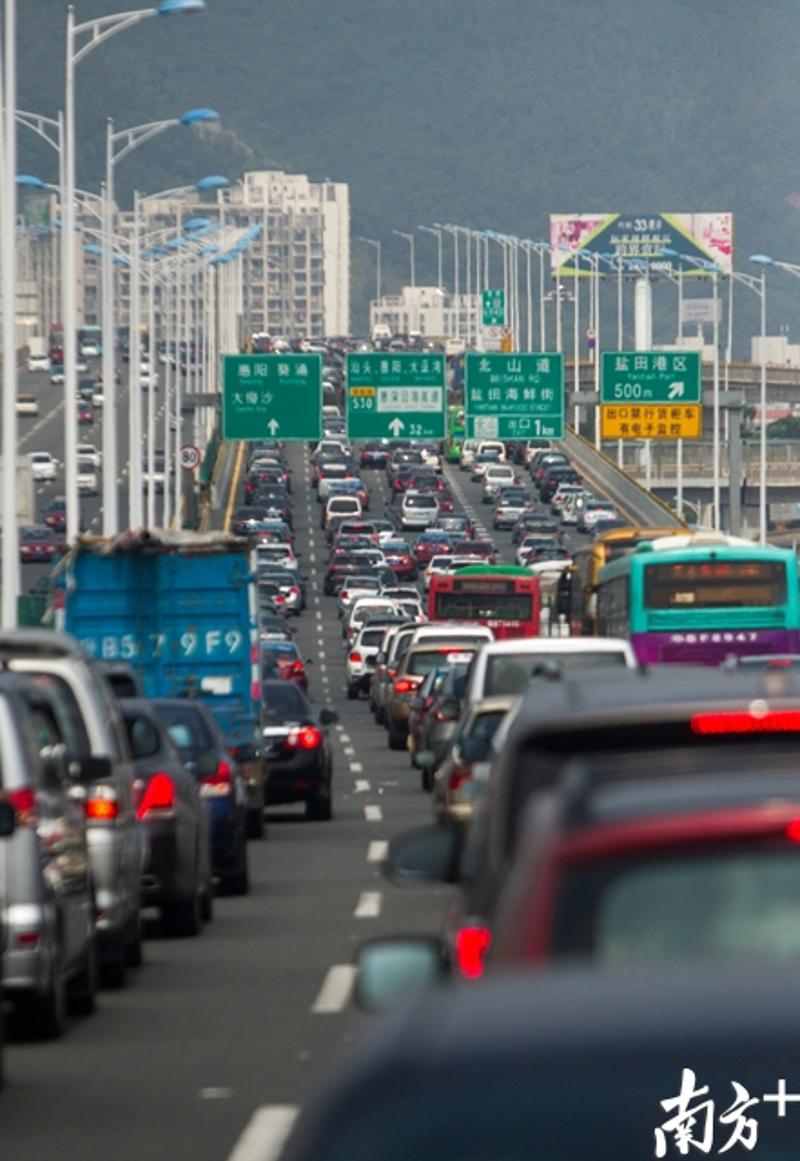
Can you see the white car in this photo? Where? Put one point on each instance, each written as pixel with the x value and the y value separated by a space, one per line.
pixel 87 451
pixel 275 552
pixel 495 477
pixel 594 511
pixel 148 379
pixel 43 466
pixel 90 351
pixel 354 588
pixel 468 449
pixel 57 375
pixel 98 399
pixel 365 607
pixel 508 666
pixel 38 362
pixel 360 659
pixel 418 510
pixel 27 404
pixel 87 478
pixel 444 565
pixel 534 540
pixel 431 458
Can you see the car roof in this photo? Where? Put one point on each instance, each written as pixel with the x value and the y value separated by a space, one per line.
pixel 514 645
pixel 631 1032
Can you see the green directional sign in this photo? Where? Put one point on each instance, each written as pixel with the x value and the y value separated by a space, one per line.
pixel 272 397
pixel 651 377
pixel 514 396
pixel 401 394
pixel 494 308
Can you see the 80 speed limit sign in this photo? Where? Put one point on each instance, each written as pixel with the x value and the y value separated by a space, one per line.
pixel 190 457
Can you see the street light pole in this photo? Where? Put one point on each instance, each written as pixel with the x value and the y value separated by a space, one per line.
pixel 8 213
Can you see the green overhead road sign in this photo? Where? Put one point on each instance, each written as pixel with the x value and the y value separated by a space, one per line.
pixel 396 395
pixel 494 308
pixel 513 396
pixel 651 377
pixel 272 397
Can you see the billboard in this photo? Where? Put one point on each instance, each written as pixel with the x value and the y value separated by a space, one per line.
pixel 642 237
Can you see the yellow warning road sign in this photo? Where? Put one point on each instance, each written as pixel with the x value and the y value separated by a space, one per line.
pixel 651 421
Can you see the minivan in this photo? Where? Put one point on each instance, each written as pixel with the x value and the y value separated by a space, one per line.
pixel 418 510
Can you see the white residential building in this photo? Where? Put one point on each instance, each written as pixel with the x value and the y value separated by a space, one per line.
pixel 428 311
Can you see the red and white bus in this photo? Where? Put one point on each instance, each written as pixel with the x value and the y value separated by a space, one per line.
pixel 505 598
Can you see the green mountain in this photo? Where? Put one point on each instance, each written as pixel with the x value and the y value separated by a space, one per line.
pixel 482 112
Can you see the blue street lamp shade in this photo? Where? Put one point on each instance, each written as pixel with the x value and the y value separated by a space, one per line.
pixel 121 260
pixel 212 249
pixel 29 180
pixel 177 7
pixel 93 248
pixel 668 252
pixel 213 181
pixel 196 116
pixel 196 224
pixel 174 243
pixel 763 259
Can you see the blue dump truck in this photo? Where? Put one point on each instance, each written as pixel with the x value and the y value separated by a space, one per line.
pixel 180 609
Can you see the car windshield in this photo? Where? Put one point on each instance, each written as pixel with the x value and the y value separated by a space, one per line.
pixel 282 701
pixel 510 673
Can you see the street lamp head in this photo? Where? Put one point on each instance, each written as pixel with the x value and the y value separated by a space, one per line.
pixel 762 259
pixel 92 248
pixel 213 181
pixel 668 252
pixel 27 179
pixel 196 224
pixel 196 116
pixel 210 249
pixel 179 7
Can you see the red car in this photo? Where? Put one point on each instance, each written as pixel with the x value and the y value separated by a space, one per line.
pixel 483 548
pixel 400 559
pixel 85 414
pixel 283 659
pixel 37 543
pixel 429 544
pixel 55 514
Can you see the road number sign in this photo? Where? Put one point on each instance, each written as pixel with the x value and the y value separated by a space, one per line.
pixel 651 421
pixel 190 457
pixel 650 377
pixel 401 394
pixel 493 303
pixel 514 396
pixel 272 397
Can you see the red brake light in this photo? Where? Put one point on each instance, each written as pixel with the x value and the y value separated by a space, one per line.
pixel 472 943
pixel 304 738
pixel 406 684
pixel 355 656
pixel 751 721
pixel 102 805
pixel 793 830
pixel 298 667
pixel 159 796
pixel 24 802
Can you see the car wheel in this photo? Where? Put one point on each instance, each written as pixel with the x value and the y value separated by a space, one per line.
pixel 207 903
pixel 237 881
pixel 82 990
pixel 319 808
pixel 183 918
pixel 255 823
pixel 397 740
pixel 352 692
pixel 426 779
pixel 134 953
pixel 44 1016
pixel 114 963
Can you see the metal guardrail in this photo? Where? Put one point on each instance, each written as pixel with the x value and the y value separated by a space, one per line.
pixel 644 508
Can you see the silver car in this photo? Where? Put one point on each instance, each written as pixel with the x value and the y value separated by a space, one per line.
pixel 47 888
pixel 117 841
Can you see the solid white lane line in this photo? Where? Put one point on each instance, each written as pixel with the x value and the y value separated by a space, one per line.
pixel 335 990
pixel 362 786
pixel 369 905
pixel 373 814
pixel 265 1134
pixel 377 851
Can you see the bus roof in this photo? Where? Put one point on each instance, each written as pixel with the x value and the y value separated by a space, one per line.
pixel 493 570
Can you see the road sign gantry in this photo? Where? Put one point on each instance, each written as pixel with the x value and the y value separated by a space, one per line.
pixel 514 396
pixel 272 397
pixel 397 394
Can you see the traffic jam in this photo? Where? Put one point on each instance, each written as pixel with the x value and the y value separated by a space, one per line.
pixel 593 726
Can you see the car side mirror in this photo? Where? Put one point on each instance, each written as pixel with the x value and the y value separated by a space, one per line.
pixel 8 819
pixel 393 970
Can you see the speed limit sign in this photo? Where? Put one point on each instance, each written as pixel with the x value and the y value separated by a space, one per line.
pixel 190 457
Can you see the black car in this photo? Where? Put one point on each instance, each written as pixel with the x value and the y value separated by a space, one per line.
pixel 245 517
pixel 374 455
pixel 201 745
pixel 177 874
pixel 298 752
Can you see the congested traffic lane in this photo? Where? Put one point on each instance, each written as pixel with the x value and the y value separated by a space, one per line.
pixel 249 1014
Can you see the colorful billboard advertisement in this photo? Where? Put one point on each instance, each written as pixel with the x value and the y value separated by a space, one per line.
pixel 642 238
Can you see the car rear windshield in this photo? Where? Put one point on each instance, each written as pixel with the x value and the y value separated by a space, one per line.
pixel 511 672
pixel 422 501
pixel 283 701
pixel 187 728
pixel 666 905
pixel 420 664
pixel 371 637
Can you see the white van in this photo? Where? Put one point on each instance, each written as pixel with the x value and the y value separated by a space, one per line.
pixel 493 445
pixel 507 666
pixel 347 506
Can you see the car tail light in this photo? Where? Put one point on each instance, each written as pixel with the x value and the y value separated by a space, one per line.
pixel 24 803
pixel 158 797
pixel 440 715
pixel 101 805
pixel 294 591
pixel 406 684
pixel 793 830
pixel 472 944
pixel 461 773
pixel 298 667
pixel 752 721
pixel 304 738
pixel 218 784
pixel 356 656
